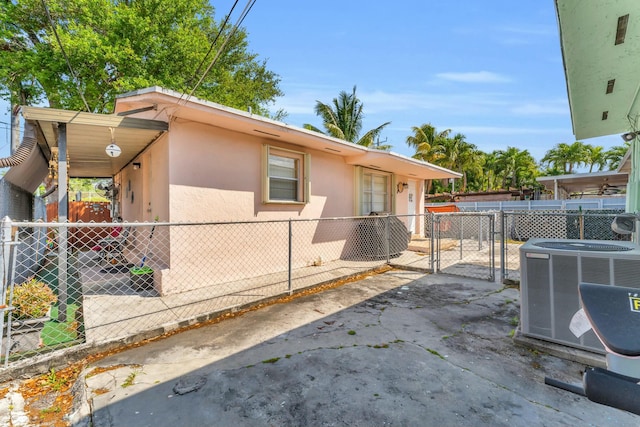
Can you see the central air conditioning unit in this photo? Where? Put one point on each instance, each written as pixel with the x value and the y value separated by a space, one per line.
pixel 550 270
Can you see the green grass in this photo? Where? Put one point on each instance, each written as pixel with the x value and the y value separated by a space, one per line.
pixel 55 332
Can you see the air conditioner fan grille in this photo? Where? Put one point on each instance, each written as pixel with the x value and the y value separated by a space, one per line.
pixel 578 246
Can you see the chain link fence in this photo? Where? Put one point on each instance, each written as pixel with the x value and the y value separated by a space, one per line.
pixel 70 284
pixel 464 244
pixel 518 227
pixel 107 282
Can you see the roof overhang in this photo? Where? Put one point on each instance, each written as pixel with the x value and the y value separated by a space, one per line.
pixel 602 183
pixel 601 55
pixel 88 135
pixel 401 165
pixel 173 105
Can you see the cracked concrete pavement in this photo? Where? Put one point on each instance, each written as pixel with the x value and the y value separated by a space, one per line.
pixel 399 348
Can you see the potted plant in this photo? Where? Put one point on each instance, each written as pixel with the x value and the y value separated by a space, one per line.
pixel 32 301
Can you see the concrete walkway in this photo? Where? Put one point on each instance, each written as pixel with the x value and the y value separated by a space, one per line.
pixel 399 348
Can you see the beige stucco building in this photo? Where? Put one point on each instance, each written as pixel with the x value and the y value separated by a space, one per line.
pixel 185 160
pixel 221 164
pixel 225 165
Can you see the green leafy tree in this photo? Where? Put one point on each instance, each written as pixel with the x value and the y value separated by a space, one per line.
pixel 342 119
pixel 79 54
pixel 491 172
pixel 566 156
pixel 461 156
pixel 469 163
pixel 517 168
pixel 595 156
pixel 550 170
pixel 425 139
pixel 615 154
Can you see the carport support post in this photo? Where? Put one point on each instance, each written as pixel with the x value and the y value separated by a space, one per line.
pixel 63 208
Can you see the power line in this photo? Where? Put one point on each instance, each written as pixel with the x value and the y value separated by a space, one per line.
pixel 66 58
pixel 215 40
pixel 246 10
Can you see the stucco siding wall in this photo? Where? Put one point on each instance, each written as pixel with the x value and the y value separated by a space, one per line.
pixel 215 175
pixel 144 197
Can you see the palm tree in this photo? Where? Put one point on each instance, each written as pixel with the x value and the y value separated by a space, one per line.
pixel 490 171
pixel 424 139
pixel 343 120
pixel 517 167
pixel 459 155
pixel 566 155
pixel 595 156
pixel 614 155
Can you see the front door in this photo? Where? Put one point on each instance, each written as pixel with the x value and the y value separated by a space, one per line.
pixel 411 207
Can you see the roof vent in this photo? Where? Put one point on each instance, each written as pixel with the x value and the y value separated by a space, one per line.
pixel 610 85
pixel 621 31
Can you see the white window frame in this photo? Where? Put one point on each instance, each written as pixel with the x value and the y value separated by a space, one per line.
pixel 360 199
pixel 302 174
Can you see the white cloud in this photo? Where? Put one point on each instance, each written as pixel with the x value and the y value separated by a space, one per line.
pixel 497 130
pixel 528 30
pixel 541 109
pixel 474 77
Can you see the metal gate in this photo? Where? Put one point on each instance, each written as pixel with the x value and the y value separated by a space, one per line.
pixel 464 244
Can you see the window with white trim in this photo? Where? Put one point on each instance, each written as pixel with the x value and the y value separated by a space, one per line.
pixel 285 177
pixel 375 194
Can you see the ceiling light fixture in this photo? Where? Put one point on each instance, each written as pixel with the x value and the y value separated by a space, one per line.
pixel 112 149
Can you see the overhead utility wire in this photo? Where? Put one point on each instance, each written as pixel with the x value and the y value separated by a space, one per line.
pixel 215 40
pixel 246 10
pixel 66 58
pixel 204 58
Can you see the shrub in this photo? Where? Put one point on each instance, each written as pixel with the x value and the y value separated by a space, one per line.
pixel 32 299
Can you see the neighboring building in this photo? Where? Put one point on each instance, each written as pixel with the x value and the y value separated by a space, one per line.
pixel 581 185
pixel 600 42
pixel 188 160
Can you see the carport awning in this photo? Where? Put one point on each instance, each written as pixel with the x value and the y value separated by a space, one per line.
pixel 602 183
pixel 88 134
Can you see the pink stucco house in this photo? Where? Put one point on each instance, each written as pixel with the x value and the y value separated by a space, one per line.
pixel 185 160
pixel 221 164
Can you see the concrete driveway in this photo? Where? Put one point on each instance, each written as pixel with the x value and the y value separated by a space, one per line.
pixel 399 348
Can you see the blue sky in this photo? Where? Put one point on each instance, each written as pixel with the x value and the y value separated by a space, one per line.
pixel 491 69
